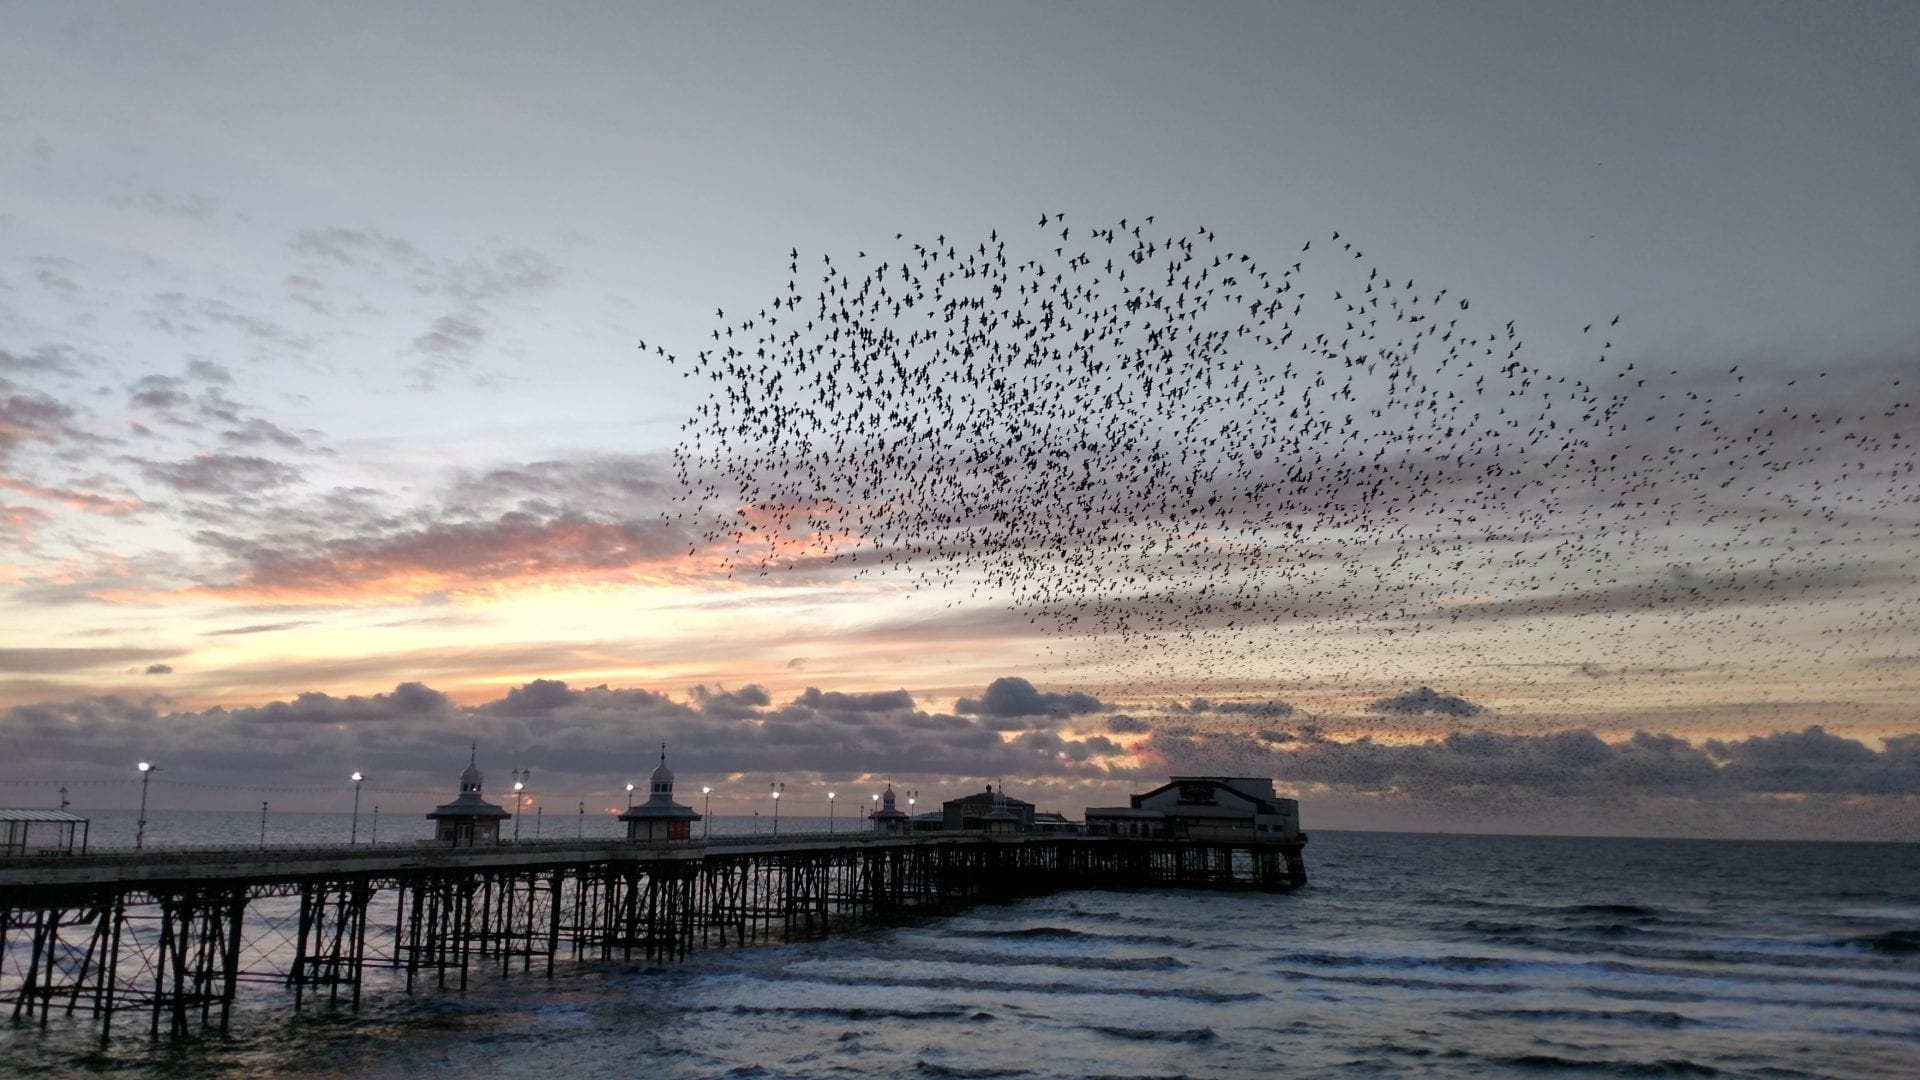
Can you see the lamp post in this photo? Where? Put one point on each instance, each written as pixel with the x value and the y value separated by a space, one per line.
pixel 581 832
pixel 873 809
pixel 353 834
pixel 263 826
pixel 777 789
pixel 912 797
pixel 147 769
pixel 520 778
pixel 829 811
pixel 629 794
pixel 376 825
pixel 707 813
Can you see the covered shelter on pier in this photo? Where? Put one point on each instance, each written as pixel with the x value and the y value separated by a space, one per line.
pixel 660 819
pixel 469 820
pixel 889 819
pixel 42 832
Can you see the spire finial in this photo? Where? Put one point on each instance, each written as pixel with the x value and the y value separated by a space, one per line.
pixel 663 752
pixel 473 754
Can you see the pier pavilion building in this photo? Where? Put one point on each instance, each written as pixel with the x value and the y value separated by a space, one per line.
pixel 1203 807
pixel 974 811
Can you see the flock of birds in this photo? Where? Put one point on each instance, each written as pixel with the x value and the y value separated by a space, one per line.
pixel 1131 434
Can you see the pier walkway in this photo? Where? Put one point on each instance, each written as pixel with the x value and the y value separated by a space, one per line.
pixel 172 936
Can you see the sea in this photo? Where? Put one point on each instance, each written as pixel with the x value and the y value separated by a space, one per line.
pixel 1408 955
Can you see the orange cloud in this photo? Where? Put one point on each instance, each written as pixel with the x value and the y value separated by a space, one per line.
pixel 470 561
pixel 789 532
pixel 20 521
pixel 89 502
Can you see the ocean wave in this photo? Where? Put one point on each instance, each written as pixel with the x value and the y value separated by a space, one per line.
pixel 1454 962
pixel 930 1068
pixel 1061 933
pixel 1403 982
pixel 1782 953
pixel 1196 994
pixel 852 1012
pixel 1635 1017
pixel 1890 943
pixel 1663 1067
pixel 1189 1035
pixel 1078 963
pixel 1621 910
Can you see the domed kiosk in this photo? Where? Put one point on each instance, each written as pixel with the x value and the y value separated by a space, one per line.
pixel 469 820
pixel 889 819
pixel 660 820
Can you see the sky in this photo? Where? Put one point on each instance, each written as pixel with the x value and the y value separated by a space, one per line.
pixel 329 440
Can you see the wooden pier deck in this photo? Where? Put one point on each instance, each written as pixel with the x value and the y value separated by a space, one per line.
pixel 171 936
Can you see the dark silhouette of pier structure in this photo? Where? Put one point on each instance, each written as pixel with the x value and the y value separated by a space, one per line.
pixel 168 938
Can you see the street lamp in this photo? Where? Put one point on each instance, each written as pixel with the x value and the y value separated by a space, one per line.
pixel 912 797
pixel 521 777
pixel 875 808
pixel 147 769
pixel 629 794
pixel 829 811
pixel 376 825
pixel 777 789
pixel 707 814
pixel 353 834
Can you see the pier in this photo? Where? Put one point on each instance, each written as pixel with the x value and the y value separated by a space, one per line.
pixel 167 940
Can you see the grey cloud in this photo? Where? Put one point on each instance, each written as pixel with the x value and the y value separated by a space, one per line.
pixel 1127 725
pixel 260 329
pixel 210 371
pixel 605 485
pixel 256 432
pixel 836 702
pixel 592 739
pixel 164 204
pixel 158 392
pixel 159 669
pixel 574 739
pixel 56 274
pixel 360 248
pixel 1012 697
pixel 1263 709
pixel 1494 767
pixel 221 474
pixel 257 628
pixel 498 276
pixel 1815 761
pixel 47 359
pixel 1426 700
pixel 732 704
pixel 451 335
pixel 30 416
pixel 540 695
pixel 51 661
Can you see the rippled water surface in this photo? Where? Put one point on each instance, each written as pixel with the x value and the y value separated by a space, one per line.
pixel 1408 956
